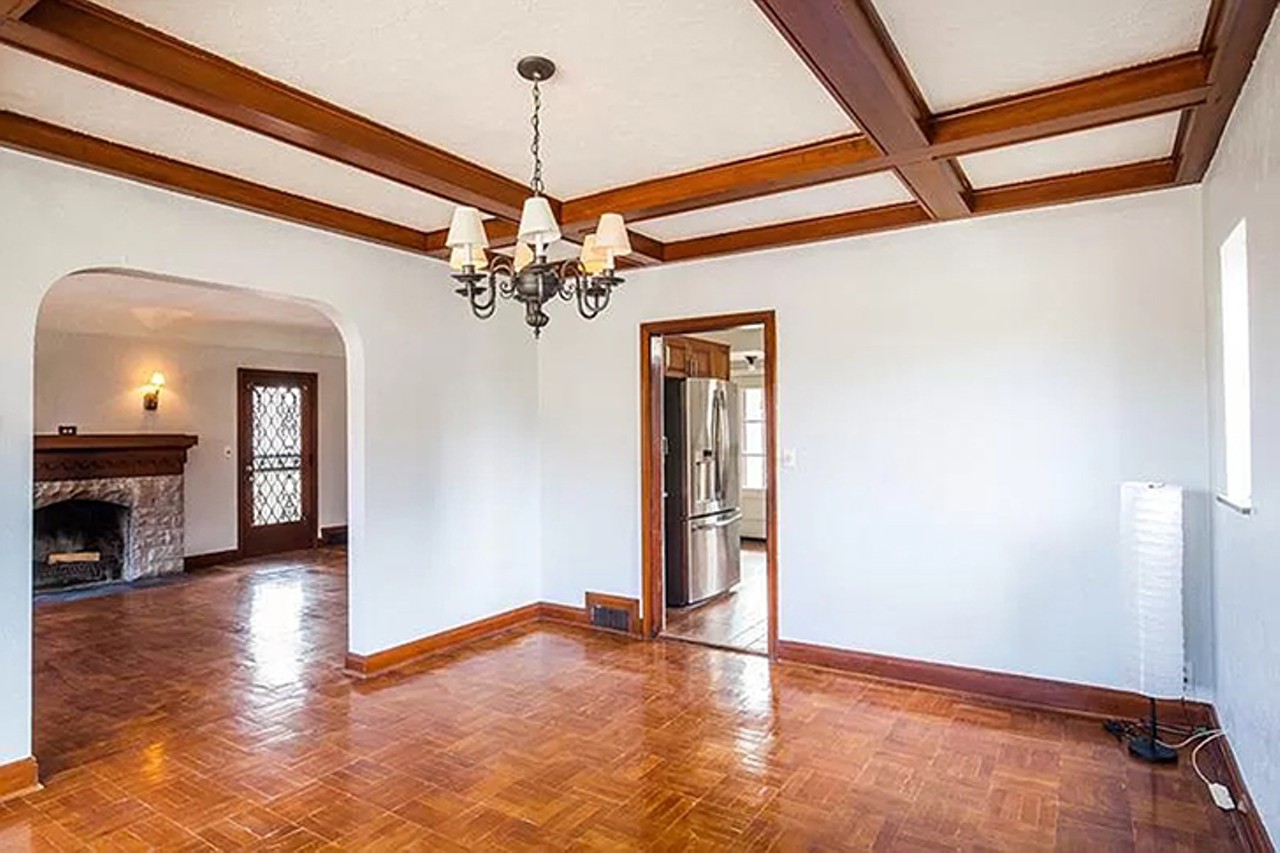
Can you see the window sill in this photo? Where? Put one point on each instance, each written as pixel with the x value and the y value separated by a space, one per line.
pixel 1238 506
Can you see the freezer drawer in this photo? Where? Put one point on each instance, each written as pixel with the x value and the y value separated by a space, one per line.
pixel 715 555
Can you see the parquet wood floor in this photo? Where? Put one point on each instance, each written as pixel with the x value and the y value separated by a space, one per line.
pixel 212 714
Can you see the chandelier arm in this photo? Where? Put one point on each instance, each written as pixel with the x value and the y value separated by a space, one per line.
pixel 482 307
pixel 571 280
pixel 593 298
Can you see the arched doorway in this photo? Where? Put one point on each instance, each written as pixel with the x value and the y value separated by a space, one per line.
pixel 166 412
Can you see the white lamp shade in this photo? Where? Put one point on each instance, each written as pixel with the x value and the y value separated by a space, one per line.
pixel 594 259
pixel 460 256
pixel 538 226
pixel 1151 532
pixel 523 257
pixel 611 234
pixel 466 229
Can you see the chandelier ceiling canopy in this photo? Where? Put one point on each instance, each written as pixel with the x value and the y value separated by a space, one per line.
pixel 529 277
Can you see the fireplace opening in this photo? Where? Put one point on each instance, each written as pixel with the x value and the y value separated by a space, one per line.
pixel 79 543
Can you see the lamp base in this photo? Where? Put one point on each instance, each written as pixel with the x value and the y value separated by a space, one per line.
pixel 1147 749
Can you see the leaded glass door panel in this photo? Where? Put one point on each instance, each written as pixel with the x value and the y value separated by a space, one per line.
pixel 277 460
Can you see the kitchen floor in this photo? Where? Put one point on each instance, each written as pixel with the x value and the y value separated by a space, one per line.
pixel 739 619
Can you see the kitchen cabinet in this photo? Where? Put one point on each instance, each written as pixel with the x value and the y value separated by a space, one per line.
pixel 694 357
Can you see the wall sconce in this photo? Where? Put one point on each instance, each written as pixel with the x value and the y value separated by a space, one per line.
pixel 151 394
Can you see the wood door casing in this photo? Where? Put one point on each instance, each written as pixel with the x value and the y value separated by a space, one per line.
pixel 654 339
pixel 301 529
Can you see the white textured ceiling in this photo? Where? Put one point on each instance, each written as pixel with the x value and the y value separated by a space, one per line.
pixel 120 303
pixel 644 87
pixel 56 94
pixel 1131 142
pixel 839 197
pixel 964 51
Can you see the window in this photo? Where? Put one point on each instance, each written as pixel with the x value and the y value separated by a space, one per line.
pixel 1234 260
pixel 753 443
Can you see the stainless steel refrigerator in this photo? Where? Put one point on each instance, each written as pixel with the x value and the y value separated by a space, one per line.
pixel 702 422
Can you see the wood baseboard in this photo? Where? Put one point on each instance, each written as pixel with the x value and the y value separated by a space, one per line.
pixel 334 534
pixel 18 778
pixel 367 666
pixel 377 663
pixel 565 614
pixel 1021 690
pixel 213 558
pixel 1222 765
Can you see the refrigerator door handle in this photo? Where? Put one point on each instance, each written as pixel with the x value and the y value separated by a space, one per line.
pixel 723 522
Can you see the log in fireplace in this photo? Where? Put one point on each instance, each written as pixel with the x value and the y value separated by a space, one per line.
pixel 79 542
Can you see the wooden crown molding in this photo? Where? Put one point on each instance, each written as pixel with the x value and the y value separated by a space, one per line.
pixel 1231 40
pixel 107 45
pixel 36 137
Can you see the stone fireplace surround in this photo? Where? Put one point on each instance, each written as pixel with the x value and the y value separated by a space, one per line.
pixel 143 473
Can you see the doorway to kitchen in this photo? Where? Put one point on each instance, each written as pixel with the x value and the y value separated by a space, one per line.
pixel 709 480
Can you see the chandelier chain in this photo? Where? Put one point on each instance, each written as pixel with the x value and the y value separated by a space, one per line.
pixel 536 183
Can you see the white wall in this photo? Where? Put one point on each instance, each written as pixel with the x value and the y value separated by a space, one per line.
pixel 94 381
pixel 964 400
pixel 442 461
pixel 1244 183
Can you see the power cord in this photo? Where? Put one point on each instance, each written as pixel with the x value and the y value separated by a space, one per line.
pixel 1122 729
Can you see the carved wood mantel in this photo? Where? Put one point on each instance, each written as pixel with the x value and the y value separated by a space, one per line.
pixel 89 457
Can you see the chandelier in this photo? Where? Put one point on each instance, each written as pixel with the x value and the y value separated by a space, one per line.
pixel 529 277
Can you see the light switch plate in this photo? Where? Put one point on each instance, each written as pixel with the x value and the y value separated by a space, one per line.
pixel 788 457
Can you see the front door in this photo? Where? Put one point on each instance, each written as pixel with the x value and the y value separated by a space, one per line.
pixel 277 429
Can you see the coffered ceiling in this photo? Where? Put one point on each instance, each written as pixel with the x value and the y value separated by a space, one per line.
pixel 643 88
pixel 962 52
pixel 714 126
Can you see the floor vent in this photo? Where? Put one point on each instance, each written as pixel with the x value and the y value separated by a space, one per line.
pixel 612 618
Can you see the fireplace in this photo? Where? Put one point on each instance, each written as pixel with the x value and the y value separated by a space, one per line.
pixel 107 508
pixel 78 543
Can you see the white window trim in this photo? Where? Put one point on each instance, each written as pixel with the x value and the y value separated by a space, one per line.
pixel 1233 260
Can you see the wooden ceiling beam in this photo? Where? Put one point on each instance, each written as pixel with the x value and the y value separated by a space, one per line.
pixel 1082 186
pixel 794 168
pixel 803 231
pixel 1066 189
pixel 99 42
pixel 1231 41
pixel 1145 90
pixel 13 10
pixel 1130 93
pixel 46 140
pixel 844 44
